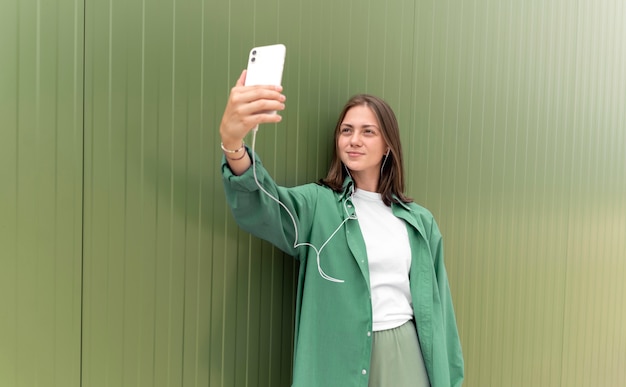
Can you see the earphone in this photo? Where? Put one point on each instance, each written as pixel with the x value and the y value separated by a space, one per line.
pixel 384 161
pixel 297 244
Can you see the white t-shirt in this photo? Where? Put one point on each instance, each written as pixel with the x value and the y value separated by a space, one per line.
pixel 389 257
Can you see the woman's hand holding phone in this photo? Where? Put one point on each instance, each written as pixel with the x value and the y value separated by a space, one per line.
pixel 254 100
pixel 247 107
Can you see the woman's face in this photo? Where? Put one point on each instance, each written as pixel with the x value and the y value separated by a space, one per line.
pixel 361 145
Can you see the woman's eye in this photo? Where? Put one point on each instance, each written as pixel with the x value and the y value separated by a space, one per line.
pixel 345 130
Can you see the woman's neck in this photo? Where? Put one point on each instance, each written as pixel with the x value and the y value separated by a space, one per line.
pixel 364 182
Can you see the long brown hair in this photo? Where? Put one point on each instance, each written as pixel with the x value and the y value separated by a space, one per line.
pixel 391 182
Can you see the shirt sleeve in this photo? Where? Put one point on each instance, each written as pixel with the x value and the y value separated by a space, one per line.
pixel 261 215
pixel 452 340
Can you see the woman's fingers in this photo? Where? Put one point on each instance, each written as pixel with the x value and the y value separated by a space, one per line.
pixel 243 123
pixel 260 106
pixel 247 101
pixel 249 106
pixel 242 78
pixel 247 94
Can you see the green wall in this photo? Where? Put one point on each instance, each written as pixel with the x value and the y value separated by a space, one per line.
pixel 121 265
pixel 41 189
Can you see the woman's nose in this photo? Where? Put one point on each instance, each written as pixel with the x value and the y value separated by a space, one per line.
pixel 355 139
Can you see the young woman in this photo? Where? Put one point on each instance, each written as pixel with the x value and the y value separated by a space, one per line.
pixel 373 301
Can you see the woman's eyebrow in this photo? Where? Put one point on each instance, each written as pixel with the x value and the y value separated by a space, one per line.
pixel 362 126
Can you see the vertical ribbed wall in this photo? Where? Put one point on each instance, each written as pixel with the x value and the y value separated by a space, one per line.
pixel 520 151
pixel 513 121
pixel 174 294
pixel 40 192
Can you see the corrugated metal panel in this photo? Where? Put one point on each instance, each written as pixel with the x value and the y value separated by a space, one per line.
pixel 594 350
pixel 40 194
pixel 520 153
pixel 174 294
pixel 135 200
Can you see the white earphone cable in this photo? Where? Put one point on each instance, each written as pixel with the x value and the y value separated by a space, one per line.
pixel 297 244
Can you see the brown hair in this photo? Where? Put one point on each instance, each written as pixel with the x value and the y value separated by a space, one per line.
pixel 391 182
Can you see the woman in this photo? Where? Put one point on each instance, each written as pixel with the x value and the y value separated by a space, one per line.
pixel 373 302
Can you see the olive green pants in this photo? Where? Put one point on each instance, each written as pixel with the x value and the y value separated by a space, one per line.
pixel 397 359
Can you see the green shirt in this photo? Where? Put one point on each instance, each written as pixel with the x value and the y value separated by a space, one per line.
pixel 333 332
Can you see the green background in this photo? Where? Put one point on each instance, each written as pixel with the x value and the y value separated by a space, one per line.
pixel 121 265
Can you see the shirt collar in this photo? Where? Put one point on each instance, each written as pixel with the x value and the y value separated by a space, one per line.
pixel 348 188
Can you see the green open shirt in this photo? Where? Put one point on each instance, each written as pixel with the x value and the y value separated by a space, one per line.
pixel 333 332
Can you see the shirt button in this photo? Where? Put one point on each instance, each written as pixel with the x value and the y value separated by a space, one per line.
pixel 349 205
pixel 369 333
pixel 364 372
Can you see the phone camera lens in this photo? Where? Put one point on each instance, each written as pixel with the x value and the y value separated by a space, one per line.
pixel 252 60
pixel 254 52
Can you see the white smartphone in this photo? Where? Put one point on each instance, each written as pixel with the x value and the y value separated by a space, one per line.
pixel 265 65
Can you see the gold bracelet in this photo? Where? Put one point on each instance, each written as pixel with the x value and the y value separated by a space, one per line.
pixel 243 144
pixel 238 158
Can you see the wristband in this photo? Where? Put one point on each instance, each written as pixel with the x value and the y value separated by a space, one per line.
pixel 238 158
pixel 243 144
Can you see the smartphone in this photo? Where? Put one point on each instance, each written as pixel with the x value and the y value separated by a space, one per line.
pixel 265 65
